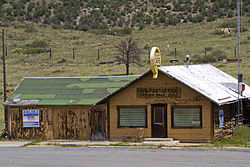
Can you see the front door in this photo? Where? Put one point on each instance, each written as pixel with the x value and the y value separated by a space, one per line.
pixel 97 125
pixel 159 120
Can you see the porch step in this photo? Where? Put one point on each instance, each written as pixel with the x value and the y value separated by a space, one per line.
pixel 159 139
pixel 166 141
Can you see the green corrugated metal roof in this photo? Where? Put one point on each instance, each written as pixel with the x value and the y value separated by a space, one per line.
pixel 67 90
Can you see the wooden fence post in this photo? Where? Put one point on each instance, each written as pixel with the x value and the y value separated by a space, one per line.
pixel 50 54
pixel 6 52
pixel 235 52
pixel 73 53
pixel 98 57
pixel 175 53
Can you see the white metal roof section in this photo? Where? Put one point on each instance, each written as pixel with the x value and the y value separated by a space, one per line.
pixel 213 83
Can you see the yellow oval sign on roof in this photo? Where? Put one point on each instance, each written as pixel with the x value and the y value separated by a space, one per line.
pixel 155 60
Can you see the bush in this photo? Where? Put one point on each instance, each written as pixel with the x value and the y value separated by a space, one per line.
pixel 18 51
pixel 230 14
pixel 36 50
pixel 30 28
pixel 198 18
pixel 30 50
pixel 127 30
pixel 38 44
pixel 83 27
pixel 207 59
pixel 218 55
pixel 228 25
pixel 141 26
pixel 210 18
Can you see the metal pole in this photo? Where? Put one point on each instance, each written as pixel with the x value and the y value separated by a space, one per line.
pixel 4 74
pixel 4 83
pixel 238 57
pixel 241 44
pixel 241 58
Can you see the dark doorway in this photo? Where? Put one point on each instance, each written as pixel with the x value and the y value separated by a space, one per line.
pixel 97 125
pixel 159 120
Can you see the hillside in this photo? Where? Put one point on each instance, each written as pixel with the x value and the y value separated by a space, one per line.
pixel 105 14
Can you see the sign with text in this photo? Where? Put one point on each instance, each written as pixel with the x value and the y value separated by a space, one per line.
pixel 31 118
pixel 172 92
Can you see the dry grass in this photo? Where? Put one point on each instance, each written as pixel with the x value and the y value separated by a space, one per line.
pixel 187 38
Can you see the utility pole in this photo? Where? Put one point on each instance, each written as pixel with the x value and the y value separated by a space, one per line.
pixel 4 82
pixel 240 76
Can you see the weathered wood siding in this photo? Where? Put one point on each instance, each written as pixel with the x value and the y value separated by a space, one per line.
pixel 188 97
pixel 229 112
pixel 65 122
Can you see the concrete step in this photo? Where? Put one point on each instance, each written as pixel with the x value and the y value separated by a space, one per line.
pixel 159 139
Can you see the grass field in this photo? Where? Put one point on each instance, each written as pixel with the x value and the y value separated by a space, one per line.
pixel 187 38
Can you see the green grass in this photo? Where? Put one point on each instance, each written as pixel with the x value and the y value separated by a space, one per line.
pixel 34 142
pixel 188 38
pixel 241 138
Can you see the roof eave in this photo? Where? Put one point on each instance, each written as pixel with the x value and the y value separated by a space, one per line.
pixel 216 102
pixel 117 91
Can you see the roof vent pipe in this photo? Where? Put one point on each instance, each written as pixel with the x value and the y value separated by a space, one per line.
pixel 187 60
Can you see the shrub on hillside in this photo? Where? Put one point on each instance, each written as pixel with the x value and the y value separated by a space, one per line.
pixel 18 51
pixel 198 18
pixel 38 44
pixel 30 28
pixel 36 50
pixel 230 14
pixel 210 17
pixel 228 25
pixel 83 27
pixel 218 55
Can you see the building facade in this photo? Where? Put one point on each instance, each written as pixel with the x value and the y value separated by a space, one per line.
pixel 173 105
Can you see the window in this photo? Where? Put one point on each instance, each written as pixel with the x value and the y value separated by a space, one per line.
pixel 132 116
pixel 186 116
pixel 158 115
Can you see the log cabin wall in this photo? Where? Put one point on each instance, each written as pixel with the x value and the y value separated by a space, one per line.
pixel 56 122
pixel 189 97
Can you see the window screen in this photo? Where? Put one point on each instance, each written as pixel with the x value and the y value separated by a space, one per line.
pixel 132 116
pixel 187 117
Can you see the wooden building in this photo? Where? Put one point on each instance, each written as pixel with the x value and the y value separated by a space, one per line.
pixel 181 103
